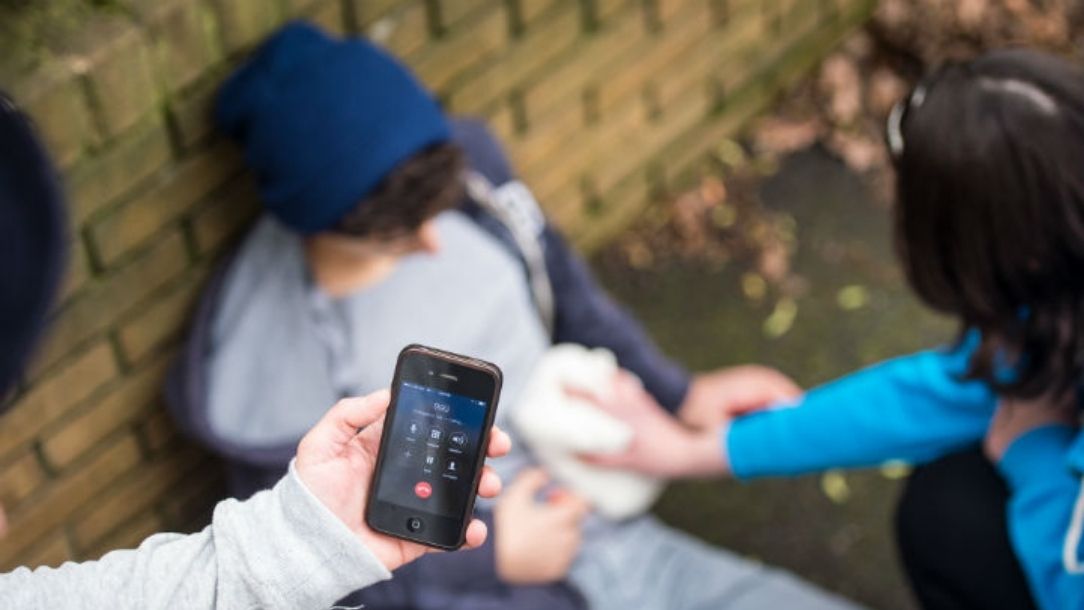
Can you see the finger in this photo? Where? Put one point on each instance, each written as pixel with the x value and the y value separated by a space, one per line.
pixel 476 534
pixel 499 443
pixel 770 384
pixel 785 387
pixel 581 394
pixel 605 460
pixel 528 483
pixel 573 507
pixel 489 485
pixel 628 379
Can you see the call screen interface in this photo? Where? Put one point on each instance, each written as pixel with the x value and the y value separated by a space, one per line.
pixel 430 455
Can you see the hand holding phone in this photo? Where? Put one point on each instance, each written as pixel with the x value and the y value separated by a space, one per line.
pixel 336 463
pixel 433 447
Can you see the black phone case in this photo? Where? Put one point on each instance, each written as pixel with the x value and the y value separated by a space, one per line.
pixel 483 445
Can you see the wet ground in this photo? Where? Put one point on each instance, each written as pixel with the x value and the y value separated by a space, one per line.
pixel 833 530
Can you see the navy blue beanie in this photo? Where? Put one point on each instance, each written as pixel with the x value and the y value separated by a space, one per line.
pixel 323 121
pixel 32 241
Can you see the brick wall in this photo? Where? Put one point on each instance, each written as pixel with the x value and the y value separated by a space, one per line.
pixel 604 105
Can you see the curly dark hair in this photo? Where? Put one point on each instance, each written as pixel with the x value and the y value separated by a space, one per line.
pixel 990 213
pixel 418 189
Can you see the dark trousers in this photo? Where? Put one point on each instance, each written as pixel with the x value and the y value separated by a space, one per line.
pixel 953 537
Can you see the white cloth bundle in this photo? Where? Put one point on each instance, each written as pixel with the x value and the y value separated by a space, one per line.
pixel 558 427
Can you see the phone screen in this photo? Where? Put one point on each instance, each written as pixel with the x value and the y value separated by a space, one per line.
pixel 430 455
pixel 433 446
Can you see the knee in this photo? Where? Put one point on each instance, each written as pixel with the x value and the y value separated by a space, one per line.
pixel 947 499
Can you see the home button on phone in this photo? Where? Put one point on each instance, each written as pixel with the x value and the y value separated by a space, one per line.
pixel 414 524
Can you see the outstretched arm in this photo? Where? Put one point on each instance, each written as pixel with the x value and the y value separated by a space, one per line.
pixel 302 544
pixel 912 408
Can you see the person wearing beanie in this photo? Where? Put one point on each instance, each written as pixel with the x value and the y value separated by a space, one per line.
pixel 388 223
pixel 301 544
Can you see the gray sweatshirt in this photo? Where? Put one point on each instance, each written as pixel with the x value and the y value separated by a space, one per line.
pixel 281 548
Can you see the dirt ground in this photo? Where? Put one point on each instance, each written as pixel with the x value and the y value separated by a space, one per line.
pixel 851 309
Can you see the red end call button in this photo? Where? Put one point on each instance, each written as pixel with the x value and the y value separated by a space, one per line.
pixel 423 490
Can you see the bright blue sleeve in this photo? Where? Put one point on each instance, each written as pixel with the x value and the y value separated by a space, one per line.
pixel 1045 515
pixel 913 408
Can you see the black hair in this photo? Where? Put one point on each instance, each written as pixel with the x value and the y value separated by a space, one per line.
pixel 421 187
pixel 990 212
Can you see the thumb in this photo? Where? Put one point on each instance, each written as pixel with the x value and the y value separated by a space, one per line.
pixel 342 421
pixel 356 413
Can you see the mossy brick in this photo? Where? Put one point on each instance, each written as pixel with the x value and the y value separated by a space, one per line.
pixel 160 321
pixel 608 170
pixel 191 114
pixel 579 144
pixel 55 395
pixel 222 218
pixel 328 14
pixel 299 7
pixel 686 98
pixel 364 13
pixel 130 536
pixel 445 59
pixel 683 151
pixel 174 193
pixel 19 478
pixel 520 63
pixel 158 431
pixel 619 41
pixel 456 13
pixel 565 207
pixel 117 69
pixel 121 404
pixel 243 23
pixel 559 169
pixel 55 100
pixel 402 31
pixel 613 216
pixel 667 10
pixel 758 58
pixel 52 551
pixel 131 496
pixel 64 496
pixel 608 9
pixel 183 42
pixel 530 11
pixel 789 16
pixel 97 181
pixel 77 274
pixel 502 122
pixel 544 139
pixel 744 104
pixel 695 24
pixel 110 297
pixel 701 61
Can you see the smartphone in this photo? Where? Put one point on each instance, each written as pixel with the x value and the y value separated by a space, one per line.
pixel 434 443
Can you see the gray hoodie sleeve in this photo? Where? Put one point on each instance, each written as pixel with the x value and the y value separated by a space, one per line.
pixel 281 548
